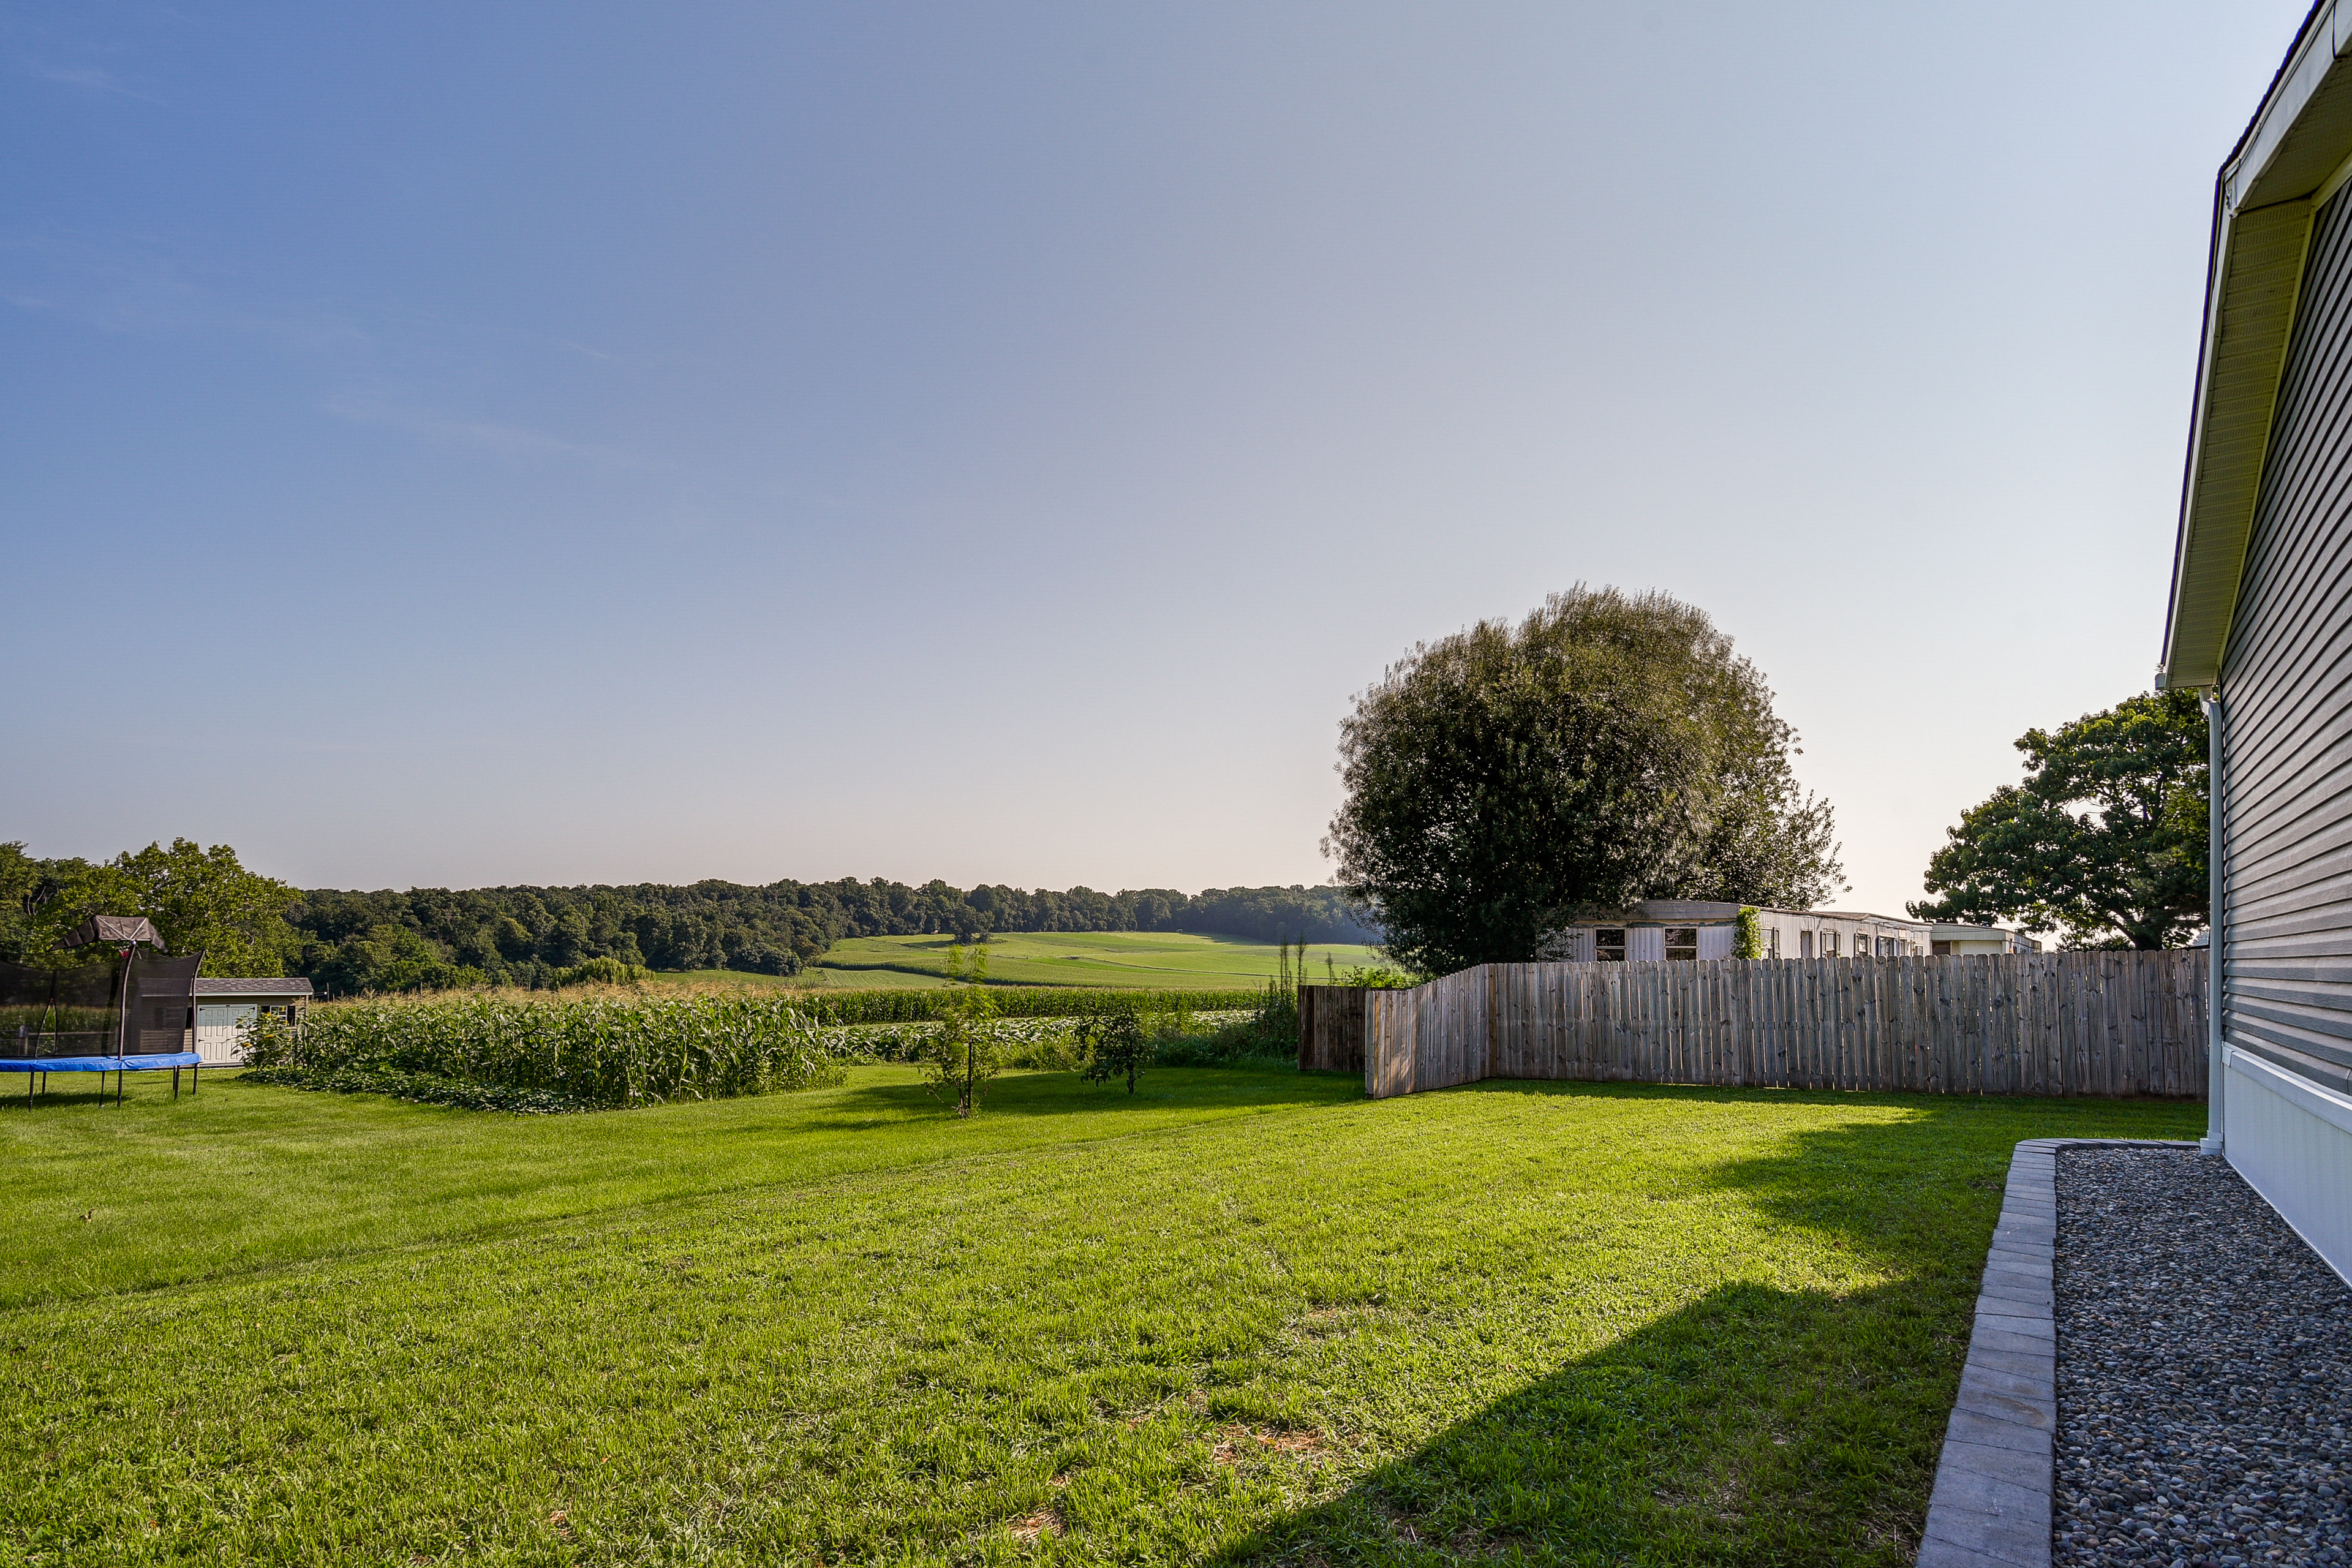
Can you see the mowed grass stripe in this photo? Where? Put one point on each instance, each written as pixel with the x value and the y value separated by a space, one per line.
pixel 1571 1323
pixel 242 1176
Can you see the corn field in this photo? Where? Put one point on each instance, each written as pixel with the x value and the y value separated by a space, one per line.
pixel 614 1051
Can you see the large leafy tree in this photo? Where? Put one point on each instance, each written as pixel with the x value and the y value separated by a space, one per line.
pixel 198 898
pixel 2104 841
pixel 23 879
pixel 1609 748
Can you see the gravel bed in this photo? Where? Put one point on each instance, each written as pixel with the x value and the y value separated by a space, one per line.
pixel 2204 1371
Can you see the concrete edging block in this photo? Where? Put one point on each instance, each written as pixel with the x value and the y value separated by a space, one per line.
pixel 1998 1475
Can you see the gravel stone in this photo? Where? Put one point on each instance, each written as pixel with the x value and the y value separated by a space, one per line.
pixel 2204 1371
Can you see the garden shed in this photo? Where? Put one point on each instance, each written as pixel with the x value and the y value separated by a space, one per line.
pixel 226 1003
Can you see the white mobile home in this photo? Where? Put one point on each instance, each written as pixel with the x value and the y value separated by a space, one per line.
pixel 2261 621
pixel 1958 939
pixel 1692 928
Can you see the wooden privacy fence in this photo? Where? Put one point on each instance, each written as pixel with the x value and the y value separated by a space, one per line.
pixel 1331 1029
pixel 2064 1023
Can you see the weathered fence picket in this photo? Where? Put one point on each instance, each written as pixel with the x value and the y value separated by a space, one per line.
pixel 2065 1023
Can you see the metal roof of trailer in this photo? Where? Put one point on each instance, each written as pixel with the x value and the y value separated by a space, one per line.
pixel 1703 911
pixel 2293 156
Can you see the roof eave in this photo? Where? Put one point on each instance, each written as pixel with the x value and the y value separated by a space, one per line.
pixel 2293 149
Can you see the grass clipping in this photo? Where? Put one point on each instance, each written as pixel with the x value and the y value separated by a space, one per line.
pixel 547 1055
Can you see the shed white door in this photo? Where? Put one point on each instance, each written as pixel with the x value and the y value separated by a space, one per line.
pixel 1717 941
pixel 216 1026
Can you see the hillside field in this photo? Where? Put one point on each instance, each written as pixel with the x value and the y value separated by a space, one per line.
pixel 1240 1317
pixel 1156 959
pixel 814 977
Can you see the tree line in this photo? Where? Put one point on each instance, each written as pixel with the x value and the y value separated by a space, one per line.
pixel 434 938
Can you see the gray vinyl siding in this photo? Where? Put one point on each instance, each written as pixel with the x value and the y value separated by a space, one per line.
pixel 2286 684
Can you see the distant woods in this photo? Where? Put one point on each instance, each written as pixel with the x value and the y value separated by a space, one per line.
pixel 423 938
pixel 434 939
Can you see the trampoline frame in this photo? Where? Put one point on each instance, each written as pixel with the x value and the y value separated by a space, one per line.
pixel 120 1062
pixel 36 1066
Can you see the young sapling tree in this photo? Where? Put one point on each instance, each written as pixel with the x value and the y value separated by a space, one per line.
pixel 965 1051
pixel 1117 1046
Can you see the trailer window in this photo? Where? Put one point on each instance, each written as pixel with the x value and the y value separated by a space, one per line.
pixel 1609 945
pixel 1682 942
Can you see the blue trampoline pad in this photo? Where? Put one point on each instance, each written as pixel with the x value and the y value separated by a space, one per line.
pixel 100 1064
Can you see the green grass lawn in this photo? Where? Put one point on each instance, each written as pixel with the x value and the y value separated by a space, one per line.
pixel 1243 1316
pixel 1169 959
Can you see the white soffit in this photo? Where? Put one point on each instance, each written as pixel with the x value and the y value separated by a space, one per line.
pixel 2295 149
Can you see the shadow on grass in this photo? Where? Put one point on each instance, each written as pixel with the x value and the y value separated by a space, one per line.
pixel 68 1092
pixel 1757 1424
pixel 1043 1093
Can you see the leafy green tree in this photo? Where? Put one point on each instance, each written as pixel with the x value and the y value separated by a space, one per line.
pixel 966 1050
pixel 1611 748
pixel 390 958
pixel 2105 840
pixel 1116 1046
pixel 21 879
pixel 198 899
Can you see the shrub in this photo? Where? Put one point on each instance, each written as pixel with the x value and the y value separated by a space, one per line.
pixel 1116 1047
pixel 1269 1030
pixel 964 1052
pixel 1238 1044
pixel 1379 978
pixel 600 971
pixel 1748 939
pixel 1049 1045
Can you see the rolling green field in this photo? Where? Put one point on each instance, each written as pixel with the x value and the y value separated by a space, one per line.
pixel 1176 959
pixel 1240 1317
pixel 812 978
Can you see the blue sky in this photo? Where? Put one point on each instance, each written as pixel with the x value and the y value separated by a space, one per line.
pixel 458 444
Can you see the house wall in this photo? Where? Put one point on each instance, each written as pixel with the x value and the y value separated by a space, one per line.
pixel 2286 828
pixel 1645 938
pixel 1573 945
pixel 1961 946
pixel 2292 1140
pixel 1794 927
